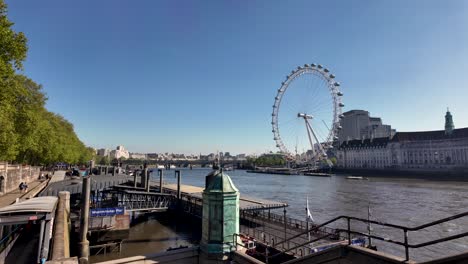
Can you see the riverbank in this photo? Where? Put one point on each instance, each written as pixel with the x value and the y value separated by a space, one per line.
pixel 435 175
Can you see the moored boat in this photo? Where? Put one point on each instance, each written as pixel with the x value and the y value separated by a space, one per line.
pixel 356 178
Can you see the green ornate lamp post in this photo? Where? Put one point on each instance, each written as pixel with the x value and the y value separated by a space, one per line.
pixel 220 215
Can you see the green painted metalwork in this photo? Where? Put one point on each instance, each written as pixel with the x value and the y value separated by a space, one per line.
pixel 220 213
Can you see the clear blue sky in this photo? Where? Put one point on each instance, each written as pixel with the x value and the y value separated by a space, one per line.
pixel 181 76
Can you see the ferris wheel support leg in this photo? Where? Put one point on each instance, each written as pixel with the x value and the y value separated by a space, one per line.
pixel 309 130
pixel 316 139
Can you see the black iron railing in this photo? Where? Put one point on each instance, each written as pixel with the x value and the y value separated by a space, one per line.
pixel 404 229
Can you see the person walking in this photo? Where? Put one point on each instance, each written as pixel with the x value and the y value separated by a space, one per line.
pixel 21 187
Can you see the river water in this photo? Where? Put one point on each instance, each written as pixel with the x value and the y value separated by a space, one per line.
pixel 407 202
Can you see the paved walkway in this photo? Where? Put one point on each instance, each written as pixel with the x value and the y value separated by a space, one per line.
pixel 58 176
pixel 10 197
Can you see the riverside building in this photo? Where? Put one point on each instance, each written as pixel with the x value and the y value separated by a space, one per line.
pixel 426 151
pixel 358 124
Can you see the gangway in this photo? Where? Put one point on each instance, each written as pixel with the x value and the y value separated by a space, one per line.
pixel 132 200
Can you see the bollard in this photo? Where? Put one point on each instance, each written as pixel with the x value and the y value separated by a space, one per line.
pixel 113 171
pixel 160 171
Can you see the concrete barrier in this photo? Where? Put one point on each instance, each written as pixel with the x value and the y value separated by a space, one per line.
pixel 73 260
pixel 180 256
pixel 61 246
pixel 242 258
pixel 349 254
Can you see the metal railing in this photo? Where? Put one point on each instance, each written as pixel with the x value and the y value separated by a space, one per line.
pixel 6 240
pixel 291 223
pixel 405 230
pixel 132 201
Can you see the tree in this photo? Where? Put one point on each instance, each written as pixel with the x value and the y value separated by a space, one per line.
pixel 104 160
pixel 13 51
pixel 270 160
pixel 29 133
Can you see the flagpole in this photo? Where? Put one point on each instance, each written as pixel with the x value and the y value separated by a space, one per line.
pixel 369 227
pixel 307 218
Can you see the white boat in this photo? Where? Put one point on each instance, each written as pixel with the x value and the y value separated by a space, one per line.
pixel 160 167
pixel 356 178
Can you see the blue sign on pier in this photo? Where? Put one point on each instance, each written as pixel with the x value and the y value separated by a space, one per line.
pixel 107 211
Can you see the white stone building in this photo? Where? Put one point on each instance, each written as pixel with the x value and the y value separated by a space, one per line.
pixel 103 152
pixel 421 151
pixel 137 156
pixel 358 124
pixel 119 152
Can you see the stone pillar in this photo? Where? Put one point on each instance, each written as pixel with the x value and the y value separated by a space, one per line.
pixel 91 167
pixel 62 230
pixel 143 178
pixel 177 173
pixel 148 174
pixel 84 218
pixel 135 179
pixel 161 172
pixel 220 219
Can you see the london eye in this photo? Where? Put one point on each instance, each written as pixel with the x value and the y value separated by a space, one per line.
pixel 306 114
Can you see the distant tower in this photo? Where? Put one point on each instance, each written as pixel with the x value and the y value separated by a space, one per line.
pixel 449 127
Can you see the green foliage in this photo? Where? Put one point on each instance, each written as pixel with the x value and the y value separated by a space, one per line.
pixel 28 132
pixel 269 160
pixel 104 160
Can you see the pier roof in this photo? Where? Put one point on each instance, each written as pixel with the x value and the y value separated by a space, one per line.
pixel 44 204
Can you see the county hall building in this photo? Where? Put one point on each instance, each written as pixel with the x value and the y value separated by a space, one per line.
pixel 427 151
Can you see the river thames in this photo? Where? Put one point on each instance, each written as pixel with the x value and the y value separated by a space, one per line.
pixel 407 202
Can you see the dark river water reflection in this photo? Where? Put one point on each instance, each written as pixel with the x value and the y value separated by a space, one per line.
pixel 408 202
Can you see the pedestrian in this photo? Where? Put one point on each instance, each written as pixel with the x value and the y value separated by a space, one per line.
pixel 21 187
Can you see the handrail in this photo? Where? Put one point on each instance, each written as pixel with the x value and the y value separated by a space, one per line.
pixel 310 230
pixel 403 228
pixel 300 245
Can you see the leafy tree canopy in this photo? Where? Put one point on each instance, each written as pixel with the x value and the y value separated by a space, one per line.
pixel 29 133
